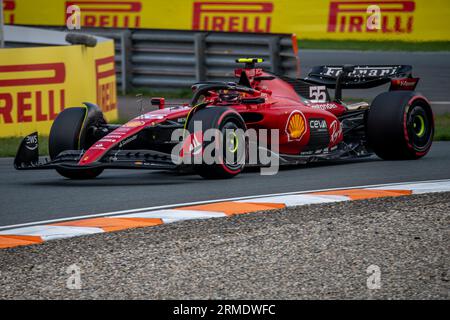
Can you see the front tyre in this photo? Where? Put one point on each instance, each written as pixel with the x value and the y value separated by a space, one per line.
pixel 400 126
pixel 71 131
pixel 231 127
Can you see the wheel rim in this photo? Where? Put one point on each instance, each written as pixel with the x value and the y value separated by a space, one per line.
pixel 233 143
pixel 419 127
pixel 231 146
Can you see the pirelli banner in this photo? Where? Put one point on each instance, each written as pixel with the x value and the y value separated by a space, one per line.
pixel 37 83
pixel 417 20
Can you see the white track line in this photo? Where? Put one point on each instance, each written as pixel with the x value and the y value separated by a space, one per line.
pixel 299 199
pixel 54 232
pixel 171 215
pixel 440 102
pixel 121 212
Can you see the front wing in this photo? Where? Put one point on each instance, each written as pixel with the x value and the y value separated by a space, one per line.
pixel 27 158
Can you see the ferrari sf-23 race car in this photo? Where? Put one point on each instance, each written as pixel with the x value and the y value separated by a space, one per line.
pixel 312 126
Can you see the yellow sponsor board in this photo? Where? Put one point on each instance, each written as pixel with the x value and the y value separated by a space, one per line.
pixel 37 83
pixel 414 20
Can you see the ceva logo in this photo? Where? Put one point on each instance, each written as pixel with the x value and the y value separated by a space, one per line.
pixel 351 16
pixel 115 14
pixel 232 16
pixel 36 89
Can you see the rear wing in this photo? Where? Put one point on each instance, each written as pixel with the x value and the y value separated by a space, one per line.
pixel 363 77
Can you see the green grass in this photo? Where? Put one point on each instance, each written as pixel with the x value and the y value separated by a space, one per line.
pixel 374 45
pixel 442 124
pixel 8 146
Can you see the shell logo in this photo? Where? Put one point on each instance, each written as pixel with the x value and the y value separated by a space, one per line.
pixel 296 126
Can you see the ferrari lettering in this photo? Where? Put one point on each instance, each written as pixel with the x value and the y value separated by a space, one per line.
pixel 362 71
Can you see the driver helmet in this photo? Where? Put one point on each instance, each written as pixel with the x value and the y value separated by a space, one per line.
pixel 229 96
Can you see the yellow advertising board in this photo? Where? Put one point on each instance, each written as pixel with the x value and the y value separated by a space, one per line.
pixel 37 83
pixel 414 20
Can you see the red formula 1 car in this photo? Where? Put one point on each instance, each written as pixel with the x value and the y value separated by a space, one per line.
pixel 398 124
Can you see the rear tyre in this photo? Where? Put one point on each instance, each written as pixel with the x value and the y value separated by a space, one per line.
pixel 70 131
pixel 230 124
pixel 400 126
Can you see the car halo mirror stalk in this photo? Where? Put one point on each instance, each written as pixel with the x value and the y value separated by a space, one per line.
pixel 28 152
pixel 346 70
pixel 160 102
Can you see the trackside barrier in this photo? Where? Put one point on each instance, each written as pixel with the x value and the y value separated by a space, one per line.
pixel 161 59
pixel 36 83
pixel 407 20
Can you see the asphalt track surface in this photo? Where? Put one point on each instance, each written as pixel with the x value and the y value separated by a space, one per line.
pixel 31 196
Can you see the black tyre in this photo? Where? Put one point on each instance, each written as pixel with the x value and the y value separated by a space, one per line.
pixel 400 126
pixel 232 127
pixel 70 131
